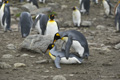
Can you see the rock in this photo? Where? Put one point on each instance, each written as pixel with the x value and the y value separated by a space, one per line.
pixel 14 27
pixel 86 23
pixel 29 7
pixel 24 55
pixel 13 10
pixel 64 6
pixel 54 5
pixel 41 10
pixel 59 77
pixel 11 46
pixel 42 61
pixel 7 56
pixel 16 65
pixel 36 43
pixel 101 27
pixel 117 46
pixel 107 64
pixel 4 65
pixel 67 24
pixel 46 71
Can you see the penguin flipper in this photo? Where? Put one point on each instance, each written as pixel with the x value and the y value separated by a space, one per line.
pixel 57 62
pixel 67 46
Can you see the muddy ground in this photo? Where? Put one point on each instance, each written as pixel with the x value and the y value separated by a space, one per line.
pixel 103 62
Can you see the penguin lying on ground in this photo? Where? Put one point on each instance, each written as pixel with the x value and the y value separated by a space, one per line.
pixel 76 17
pixel 75 39
pixel 40 23
pixel 117 18
pixel 107 7
pixel 5 17
pixel 59 56
pixel 25 24
pixel 52 26
pixel 85 6
pixel 35 2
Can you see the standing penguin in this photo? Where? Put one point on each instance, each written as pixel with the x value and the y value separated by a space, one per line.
pixel 75 39
pixel 59 56
pixel 25 24
pixel 35 2
pixel 5 17
pixel 107 7
pixel 76 17
pixel 52 26
pixel 40 23
pixel 117 18
pixel 85 6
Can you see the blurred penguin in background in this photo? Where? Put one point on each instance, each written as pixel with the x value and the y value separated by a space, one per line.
pixel 40 23
pixel 34 2
pixel 84 6
pixel 42 1
pixel 25 24
pixel 21 0
pixel 5 17
pixel 1 3
pixel 117 17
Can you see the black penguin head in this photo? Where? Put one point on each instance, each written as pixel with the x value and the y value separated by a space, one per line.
pixel 56 37
pixel 5 1
pixel 52 16
pixel 50 46
pixel 74 8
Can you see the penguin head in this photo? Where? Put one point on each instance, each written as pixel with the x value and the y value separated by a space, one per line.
pixel 5 1
pixel 52 16
pixel 50 46
pixel 74 8
pixel 56 37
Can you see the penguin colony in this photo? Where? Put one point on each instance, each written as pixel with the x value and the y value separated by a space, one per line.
pixel 47 25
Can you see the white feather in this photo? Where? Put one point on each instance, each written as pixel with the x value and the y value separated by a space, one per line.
pixel 117 26
pixel 106 7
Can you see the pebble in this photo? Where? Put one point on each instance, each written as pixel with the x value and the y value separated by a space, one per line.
pixel 11 46
pixel 42 61
pixel 100 27
pixel 24 55
pixel 117 46
pixel 16 65
pixel 59 77
pixel 7 56
pixel 4 65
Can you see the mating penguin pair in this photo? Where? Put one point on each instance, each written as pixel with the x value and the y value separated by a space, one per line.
pixel 75 39
pixel 59 56
pixel 84 6
pixel 107 7
pixel 5 17
pixel 117 17
pixel 25 24
pixel 76 16
pixel 45 25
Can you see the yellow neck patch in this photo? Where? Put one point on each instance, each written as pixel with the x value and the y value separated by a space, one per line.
pixel 51 21
pixel 53 57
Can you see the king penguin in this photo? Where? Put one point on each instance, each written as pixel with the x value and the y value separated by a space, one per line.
pixel 85 6
pixel 76 17
pixel 5 17
pixel 40 23
pixel 25 24
pixel 117 18
pixel 59 56
pixel 75 39
pixel 35 2
pixel 52 26
pixel 107 7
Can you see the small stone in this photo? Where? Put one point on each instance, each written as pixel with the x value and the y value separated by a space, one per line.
pixel 117 46
pixel 16 65
pixel 101 27
pixel 4 65
pixel 24 55
pixel 42 61
pixel 11 46
pixel 86 23
pixel 67 24
pixel 14 27
pixel 46 71
pixel 59 77
pixel 7 56
pixel 64 6
pixel 107 64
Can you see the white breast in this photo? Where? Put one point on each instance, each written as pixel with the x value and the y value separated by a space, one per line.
pixel 106 7
pixel 38 27
pixel 51 28
pixel 76 16
pixel 117 26
pixel 69 60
